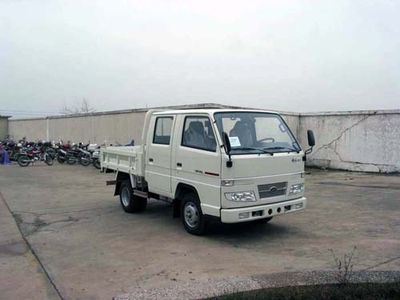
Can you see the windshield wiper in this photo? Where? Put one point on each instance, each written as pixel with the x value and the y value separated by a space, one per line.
pixel 282 148
pixel 256 149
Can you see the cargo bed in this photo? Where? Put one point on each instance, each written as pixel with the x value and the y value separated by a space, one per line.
pixel 127 159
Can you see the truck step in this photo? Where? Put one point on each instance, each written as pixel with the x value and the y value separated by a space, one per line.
pixel 140 194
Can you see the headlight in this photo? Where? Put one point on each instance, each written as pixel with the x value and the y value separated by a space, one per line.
pixel 241 196
pixel 296 189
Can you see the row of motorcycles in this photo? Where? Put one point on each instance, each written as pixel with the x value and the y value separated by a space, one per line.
pixel 26 153
pixel 82 154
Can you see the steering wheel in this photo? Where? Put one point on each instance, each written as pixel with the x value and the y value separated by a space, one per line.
pixel 272 140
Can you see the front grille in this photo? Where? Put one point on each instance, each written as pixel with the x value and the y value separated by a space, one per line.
pixel 272 189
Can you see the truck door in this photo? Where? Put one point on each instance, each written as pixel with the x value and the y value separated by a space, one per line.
pixel 196 160
pixel 158 155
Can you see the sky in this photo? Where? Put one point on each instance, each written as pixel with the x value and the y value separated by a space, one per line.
pixel 299 56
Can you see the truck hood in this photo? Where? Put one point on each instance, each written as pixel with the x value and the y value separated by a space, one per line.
pixel 263 165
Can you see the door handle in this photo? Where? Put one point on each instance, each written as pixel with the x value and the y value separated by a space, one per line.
pixel 179 164
pixel 151 160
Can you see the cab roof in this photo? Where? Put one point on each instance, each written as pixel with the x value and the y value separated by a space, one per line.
pixel 209 111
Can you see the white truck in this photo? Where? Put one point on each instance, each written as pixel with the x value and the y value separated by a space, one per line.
pixel 235 165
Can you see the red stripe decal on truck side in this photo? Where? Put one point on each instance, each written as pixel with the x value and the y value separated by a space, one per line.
pixel 210 173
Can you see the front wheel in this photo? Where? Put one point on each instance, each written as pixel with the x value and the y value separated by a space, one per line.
pixel 51 152
pixel 96 164
pixel 23 160
pixel 84 161
pixel 192 217
pixel 129 202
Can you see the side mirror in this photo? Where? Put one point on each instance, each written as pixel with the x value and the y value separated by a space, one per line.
pixel 311 138
pixel 311 141
pixel 227 145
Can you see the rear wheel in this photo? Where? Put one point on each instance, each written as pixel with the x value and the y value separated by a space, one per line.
pixel 71 160
pixel 23 160
pixel 192 217
pixel 48 160
pixel 60 160
pixel 129 202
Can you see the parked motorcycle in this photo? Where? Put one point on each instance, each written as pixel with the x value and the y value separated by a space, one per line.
pixel 84 157
pixel 66 155
pixel 96 158
pixel 13 149
pixel 72 154
pixel 33 155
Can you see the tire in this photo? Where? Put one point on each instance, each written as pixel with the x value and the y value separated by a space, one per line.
pixel 16 156
pixel 84 161
pixel 129 202
pixel 23 160
pixel 96 164
pixel 192 217
pixel 60 160
pixel 48 160
pixel 71 160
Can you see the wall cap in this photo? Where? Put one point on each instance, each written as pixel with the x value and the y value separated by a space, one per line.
pixel 212 105
pixel 352 112
pixel 140 110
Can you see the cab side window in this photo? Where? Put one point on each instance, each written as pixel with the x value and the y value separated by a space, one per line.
pixel 198 133
pixel 162 130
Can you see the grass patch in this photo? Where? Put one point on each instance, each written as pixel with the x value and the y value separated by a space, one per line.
pixel 350 291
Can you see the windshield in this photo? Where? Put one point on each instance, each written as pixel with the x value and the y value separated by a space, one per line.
pixel 256 132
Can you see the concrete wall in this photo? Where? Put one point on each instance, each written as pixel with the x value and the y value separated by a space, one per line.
pixel 356 141
pixel 113 127
pixel 33 129
pixel 3 127
pixel 110 128
pixel 292 120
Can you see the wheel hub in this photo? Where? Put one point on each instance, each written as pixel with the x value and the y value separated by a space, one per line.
pixel 125 197
pixel 191 215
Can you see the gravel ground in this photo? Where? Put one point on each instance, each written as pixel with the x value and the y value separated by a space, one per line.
pixel 212 288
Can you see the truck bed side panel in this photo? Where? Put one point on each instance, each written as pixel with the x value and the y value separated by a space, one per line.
pixel 127 159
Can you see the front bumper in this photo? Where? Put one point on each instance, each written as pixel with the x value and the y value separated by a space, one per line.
pixel 236 215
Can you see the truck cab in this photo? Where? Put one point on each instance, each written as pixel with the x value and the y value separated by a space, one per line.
pixel 231 164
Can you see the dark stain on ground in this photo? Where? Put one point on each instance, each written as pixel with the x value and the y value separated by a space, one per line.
pixel 13 249
pixel 30 228
pixel 386 187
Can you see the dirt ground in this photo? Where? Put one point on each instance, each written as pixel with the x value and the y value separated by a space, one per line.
pixel 64 235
